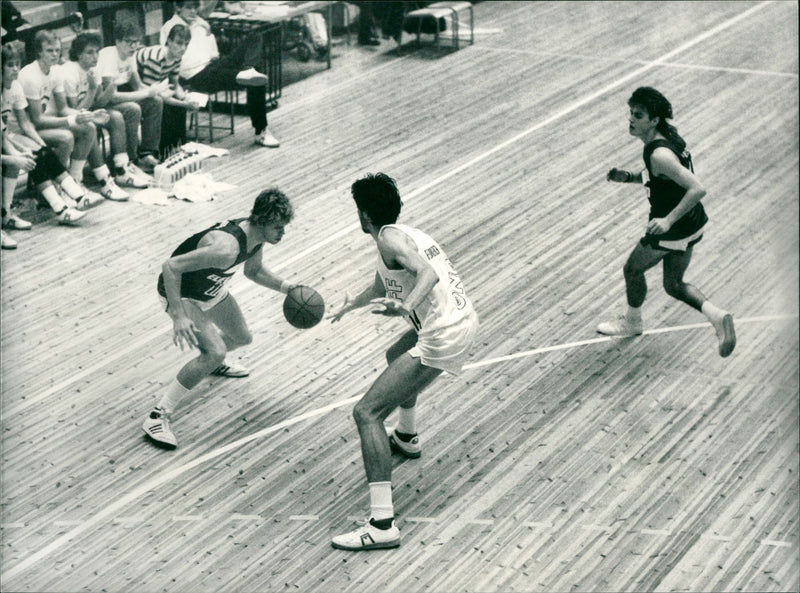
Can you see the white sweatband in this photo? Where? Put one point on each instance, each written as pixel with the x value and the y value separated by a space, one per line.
pixel 72 120
pixel 285 287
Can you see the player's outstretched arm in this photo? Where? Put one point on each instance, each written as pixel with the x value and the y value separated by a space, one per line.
pixel 623 176
pixel 255 270
pixel 364 298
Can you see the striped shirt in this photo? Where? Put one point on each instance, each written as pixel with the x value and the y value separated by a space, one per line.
pixel 155 65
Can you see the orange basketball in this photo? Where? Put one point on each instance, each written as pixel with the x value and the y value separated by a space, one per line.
pixel 303 307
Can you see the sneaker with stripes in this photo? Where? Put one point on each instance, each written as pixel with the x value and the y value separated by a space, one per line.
pixel 156 427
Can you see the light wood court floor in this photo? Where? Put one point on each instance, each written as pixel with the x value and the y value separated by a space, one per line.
pixel 559 460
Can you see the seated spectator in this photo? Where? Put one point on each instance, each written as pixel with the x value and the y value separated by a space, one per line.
pixel 71 134
pixel 83 91
pixel 117 66
pixel 162 62
pixel 203 70
pixel 24 150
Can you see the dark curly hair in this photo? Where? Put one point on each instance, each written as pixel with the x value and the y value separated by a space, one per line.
pixel 271 205
pixel 657 105
pixel 377 196
pixel 83 40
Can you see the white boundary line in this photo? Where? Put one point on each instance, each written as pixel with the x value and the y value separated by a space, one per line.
pixel 530 52
pixel 132 346
pixel 111 510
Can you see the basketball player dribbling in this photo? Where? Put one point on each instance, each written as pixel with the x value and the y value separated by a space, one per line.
pixel 676 223
pixel 414 280
pixel 204 314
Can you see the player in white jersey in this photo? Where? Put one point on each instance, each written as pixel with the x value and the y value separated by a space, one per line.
pixel 415 280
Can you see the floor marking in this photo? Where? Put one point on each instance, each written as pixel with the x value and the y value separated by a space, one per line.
pixel 67 523
pixel 122 354
pixel 543 524
pixel 771 542
pixel 720 538
pixel 420 520
pixel 187 518
pixel 481 521
pixel 157 481
pixel 656 532
pixel 596 527
pixel 529 52
pixel 662 330
pixel 11 525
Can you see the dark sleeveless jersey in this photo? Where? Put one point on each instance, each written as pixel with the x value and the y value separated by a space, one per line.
pixel 664 195
pixel 205 284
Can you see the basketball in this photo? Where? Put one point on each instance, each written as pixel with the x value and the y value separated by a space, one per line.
pixel 303 307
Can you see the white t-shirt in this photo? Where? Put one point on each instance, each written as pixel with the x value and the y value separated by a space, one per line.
pixel 11 99
pixel 202 46
pixel 75 80
pixel 110 65
pixel 39 87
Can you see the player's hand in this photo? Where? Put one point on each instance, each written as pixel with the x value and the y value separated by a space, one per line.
pixel 618 175
pixel 84 117
pixel 184 331
pixel 100 117
pixel 347 306
pixel 390 307
pixel 23 161
pixel 658 226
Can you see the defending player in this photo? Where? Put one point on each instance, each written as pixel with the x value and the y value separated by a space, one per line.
pixel 677 219
pixel 414 280
pixel 204 314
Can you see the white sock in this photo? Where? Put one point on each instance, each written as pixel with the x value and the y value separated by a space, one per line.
pixel 380 500
pixel 121 160
pixel 76 169
pixel 175 393
pixel 634 314
pixel 101 173
pixel 407 420
pixel 72 188
pixel 714 313
pixel 50 193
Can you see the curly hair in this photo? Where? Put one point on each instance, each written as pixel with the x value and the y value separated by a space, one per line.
pixel 377 196
pixel 83 40
pixel 271 205
pixel 656 105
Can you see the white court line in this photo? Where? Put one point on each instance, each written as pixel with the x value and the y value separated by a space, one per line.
pixel 302 255
pixel 531 52
pixel 113 508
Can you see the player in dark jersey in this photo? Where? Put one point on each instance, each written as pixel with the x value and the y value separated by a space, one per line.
pixel 204 314
pixel 676 221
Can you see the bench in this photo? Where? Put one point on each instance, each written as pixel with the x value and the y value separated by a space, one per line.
pixel 432 20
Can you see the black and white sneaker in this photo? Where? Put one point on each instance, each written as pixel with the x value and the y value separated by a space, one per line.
pixel 156 426
pixel 410 449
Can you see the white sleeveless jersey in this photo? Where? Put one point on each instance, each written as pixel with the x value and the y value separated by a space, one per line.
pixel 446 303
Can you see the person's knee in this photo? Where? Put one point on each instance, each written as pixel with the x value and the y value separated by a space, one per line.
pixel 631 269
pixel 214 354
pixel 84 132
pixel 243 338
pixel 116 123
pixel 364 413
pixel 673 287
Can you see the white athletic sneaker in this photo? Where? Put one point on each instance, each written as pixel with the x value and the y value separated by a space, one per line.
pixel 251 77
pixel 111 191
pixel 89 199
pixel 7 242
pixel 127 177
pixel 726 335
pixel 266 138
pixel 230 370
pixel 69 216
pixel 410 449
pixel 621 327
pixel 15 223
pixel 368 537
pixel 156 426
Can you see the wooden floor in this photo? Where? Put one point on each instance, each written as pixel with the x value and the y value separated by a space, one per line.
pixel 560 460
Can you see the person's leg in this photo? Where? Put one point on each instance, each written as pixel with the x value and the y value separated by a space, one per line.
pixel 675 265
pixel 406 429
pixel 61 141
pixel 11 221
pixel 85 140
pixel 132 116
pixel 641 259
pixel 173 128
pixel 152 111
pixel 227 316
pixel 398 385
pixel 124 173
